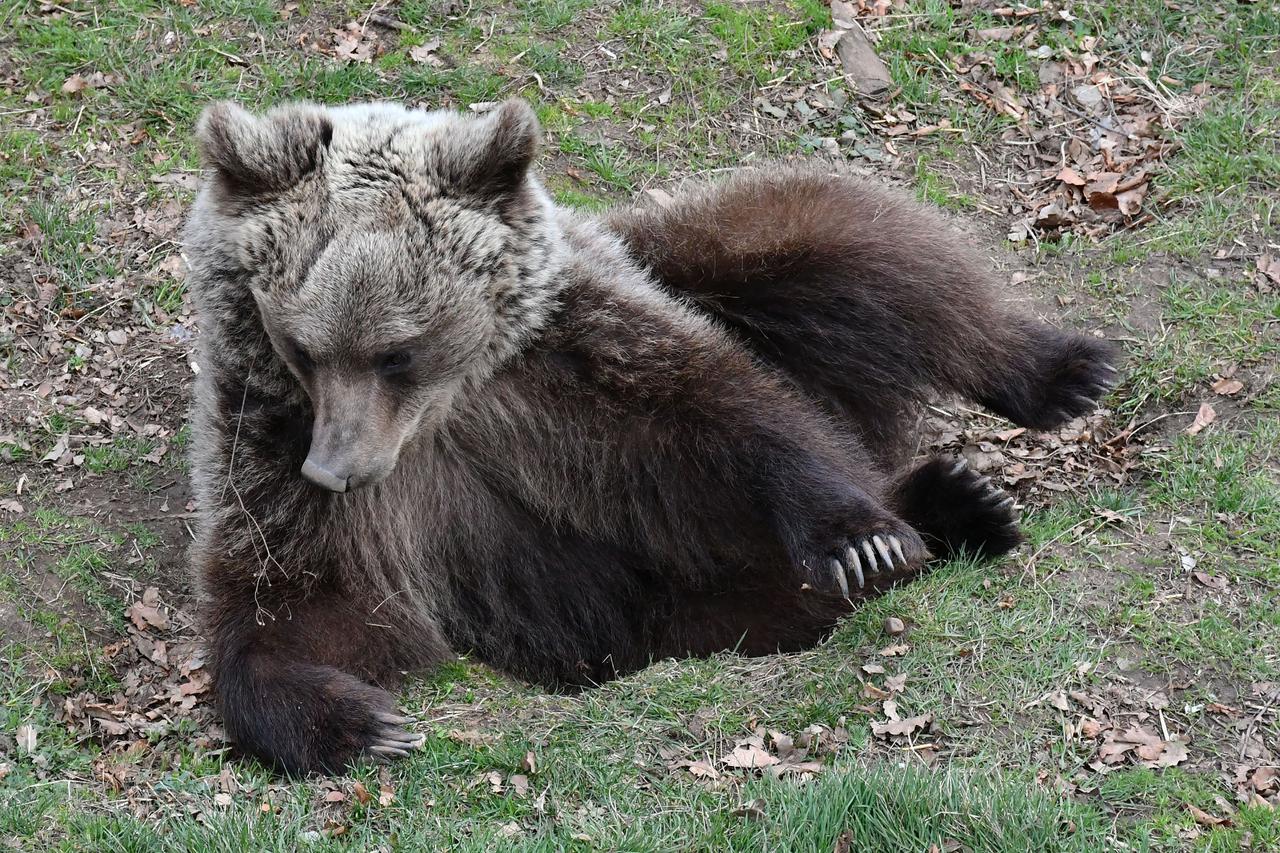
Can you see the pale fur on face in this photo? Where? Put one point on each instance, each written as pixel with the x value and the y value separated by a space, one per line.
pixel 372 230
pixel 420 221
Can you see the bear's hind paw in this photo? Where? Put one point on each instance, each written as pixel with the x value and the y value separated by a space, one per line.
pixel 957 509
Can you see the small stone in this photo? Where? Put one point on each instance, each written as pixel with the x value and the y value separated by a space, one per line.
pixel 894 625
pixel 1088 96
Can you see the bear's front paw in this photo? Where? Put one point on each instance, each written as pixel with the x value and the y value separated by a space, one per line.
pixel 302 718
pixel 360 723
pixel 865 562
pixel 391 740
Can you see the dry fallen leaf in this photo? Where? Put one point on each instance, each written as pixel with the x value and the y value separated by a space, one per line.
pixel 361 793
pixel 1270 267
pixel 892 728
pixel 703 770
pixel 999 33
pixel 1100 191
pixel 748 756
pixel 470 737
pixel 1149 748
pixel 870 691
pixel 1070 176
pixel 1205 819
pixel 1130 201
pixel 427 53
pixel 1227 387
pixel 1204 417
pixel 147 611
pixel 1265 780
pixel 1211 581
pixel 25 735
pixel 75 84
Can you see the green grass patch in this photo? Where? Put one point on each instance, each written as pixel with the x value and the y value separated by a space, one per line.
pixel 120 454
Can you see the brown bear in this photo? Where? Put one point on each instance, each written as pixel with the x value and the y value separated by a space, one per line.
pixel 436 413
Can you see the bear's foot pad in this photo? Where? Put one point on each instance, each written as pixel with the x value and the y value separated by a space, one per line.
pixel 959 509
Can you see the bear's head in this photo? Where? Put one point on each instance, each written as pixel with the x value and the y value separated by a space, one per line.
pixel 395 258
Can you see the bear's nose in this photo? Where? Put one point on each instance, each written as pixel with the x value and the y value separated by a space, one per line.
pixel 322 476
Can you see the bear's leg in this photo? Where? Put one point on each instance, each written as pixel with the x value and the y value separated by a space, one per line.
pixel 294 685
pixel 956 509
pixel 870 301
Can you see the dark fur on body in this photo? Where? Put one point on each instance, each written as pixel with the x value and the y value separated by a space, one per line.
pixel 661 428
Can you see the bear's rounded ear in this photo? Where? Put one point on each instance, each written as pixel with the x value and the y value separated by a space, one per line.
pixel 262 153
pixel 508 140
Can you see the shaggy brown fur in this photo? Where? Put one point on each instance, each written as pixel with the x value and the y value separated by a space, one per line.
pixel 438 414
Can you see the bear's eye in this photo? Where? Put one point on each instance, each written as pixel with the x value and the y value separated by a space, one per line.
pixel 302 358
pixel 394 363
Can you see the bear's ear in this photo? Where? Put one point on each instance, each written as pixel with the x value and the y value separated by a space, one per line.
pixel 263 153
pixel 501 148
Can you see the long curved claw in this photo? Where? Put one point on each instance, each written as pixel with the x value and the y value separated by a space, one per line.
pixel 400 736
pixel 1087 402
pixel 855 565
pixel 838 571
pixel 883 551
pixel 871 557
pixel 897 549
pixel 387 752
pixel 391 719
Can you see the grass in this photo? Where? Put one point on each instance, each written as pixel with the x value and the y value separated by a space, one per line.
pixel 118 455
pixel 1206 330
pixel 899 808
pixel 636 94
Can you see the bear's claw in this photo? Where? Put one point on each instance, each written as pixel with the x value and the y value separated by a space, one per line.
pixel 868 557
pixel 393 741
pixel 391 719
